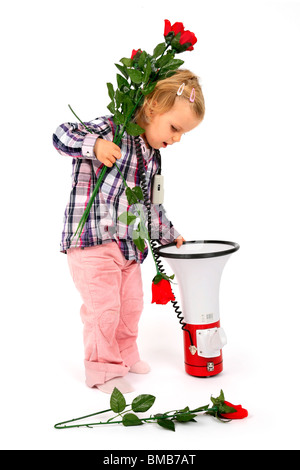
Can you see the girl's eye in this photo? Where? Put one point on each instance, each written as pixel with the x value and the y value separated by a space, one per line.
pixel 174 129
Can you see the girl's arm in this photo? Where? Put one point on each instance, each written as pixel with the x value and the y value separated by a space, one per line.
pixel 74 140
pixel 162 228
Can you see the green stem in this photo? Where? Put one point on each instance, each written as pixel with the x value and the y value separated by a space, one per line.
pixel 88 425
pixel 59 425
pixel 88 207
pixel 150 419
pixel 124 181
pixel 168 45
pixel 89 130
pixel 149 241
pixel 109 421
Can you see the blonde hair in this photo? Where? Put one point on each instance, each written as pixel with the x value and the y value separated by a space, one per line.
pixel 165 92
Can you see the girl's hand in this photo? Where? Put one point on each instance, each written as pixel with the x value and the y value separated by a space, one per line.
pixel 179 241
pixel 107 152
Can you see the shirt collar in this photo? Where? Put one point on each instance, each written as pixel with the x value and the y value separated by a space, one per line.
pixel 148 152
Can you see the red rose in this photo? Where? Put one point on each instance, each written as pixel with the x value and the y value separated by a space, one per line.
pixel 134 52
pixel 187 38
pixel 168 28
pixel 239 414
pixel 176 28
pixel 162 292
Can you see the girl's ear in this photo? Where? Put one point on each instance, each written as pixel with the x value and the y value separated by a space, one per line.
pixel 150 110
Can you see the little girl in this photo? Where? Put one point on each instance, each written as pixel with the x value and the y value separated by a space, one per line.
pixel 104 265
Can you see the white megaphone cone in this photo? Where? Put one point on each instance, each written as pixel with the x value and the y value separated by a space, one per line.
pixel 198 267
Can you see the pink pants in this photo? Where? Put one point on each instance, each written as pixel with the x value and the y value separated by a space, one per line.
pixel 112 293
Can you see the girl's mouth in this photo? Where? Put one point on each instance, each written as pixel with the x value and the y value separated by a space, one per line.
pixel 165 145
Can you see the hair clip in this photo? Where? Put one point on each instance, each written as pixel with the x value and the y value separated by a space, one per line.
pixel 180 89
pixel 193 95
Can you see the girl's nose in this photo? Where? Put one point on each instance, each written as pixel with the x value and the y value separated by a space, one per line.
pixel 177 137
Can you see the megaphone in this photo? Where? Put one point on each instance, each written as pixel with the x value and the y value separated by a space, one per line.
pixel 198 267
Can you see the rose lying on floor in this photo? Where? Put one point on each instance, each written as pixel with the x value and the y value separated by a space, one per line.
pixel 239 412
pixel 223 409
pixel 142 403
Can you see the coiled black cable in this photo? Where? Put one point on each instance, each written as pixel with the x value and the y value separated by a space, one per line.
pixel 154 243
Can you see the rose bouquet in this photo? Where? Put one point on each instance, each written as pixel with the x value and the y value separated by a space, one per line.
pixel 138 78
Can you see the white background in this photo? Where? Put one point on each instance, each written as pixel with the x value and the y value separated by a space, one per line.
pixel 233 178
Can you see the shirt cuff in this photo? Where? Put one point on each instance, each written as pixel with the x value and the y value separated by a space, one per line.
pixel 170 237
pixel 88 146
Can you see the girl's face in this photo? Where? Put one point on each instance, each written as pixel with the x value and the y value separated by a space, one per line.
pixel 167 128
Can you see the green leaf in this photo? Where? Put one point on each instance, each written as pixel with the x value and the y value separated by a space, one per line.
pixel 122 82
pixel 161 276
pixel 167 424
pixel 142 231
pixel 161 416
pixel 122 69
pixel 119 118
pixel 130 419
pixel 117 401
pixel 222 408
pixel 134 129
pixel 138 241
pixel 142 403
pixel 137 190
pixel 131 197
pixel 159 49
pixel 184 410
pixel 128 105
pixel 142 59
pixel 127 62
pixel 147 71
pixel 119 98
pixel 111 92
pixel 136 76
pixel 219 400
pixel 172 65
pixel 157 278
pixel 201 408
pixel 185 417
pixel 111 107
pixel 149 88
pixel 164 60
pixel 127 218
pixel 219 405
pixel 165 73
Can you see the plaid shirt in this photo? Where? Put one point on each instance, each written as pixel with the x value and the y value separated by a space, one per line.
pixel 103 225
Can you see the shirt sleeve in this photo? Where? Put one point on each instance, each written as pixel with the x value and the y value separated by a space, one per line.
pixel 74 140
pixel 162 228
